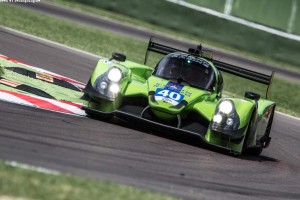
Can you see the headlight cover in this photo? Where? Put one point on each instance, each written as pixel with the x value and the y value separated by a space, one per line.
pixel 225 119
pixel 108 84
pixel 226 107
pixel 114 74
pixel 114 88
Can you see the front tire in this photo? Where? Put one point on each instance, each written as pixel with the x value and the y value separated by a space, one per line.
pixel 264 141
pixel 255 151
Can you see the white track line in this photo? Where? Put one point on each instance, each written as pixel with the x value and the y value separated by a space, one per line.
pixel 289 116
pixel 237 20
pixel 33 168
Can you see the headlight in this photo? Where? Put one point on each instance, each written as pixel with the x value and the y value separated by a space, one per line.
pixel 103 85
pixel 225 107
pixel 225 118
pixel 114 88
pixel 107 86
pixel 114 74
pixel 229 121
pixel 217 118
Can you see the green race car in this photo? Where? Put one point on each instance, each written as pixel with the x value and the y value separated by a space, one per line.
pixel 183 93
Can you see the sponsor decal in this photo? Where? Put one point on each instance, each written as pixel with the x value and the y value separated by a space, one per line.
pixel 170 93
pixel 44 77
pixel 107 62
pixel 188 94
pixel 268 112
pixel 176 87
pixel 156 85
pixel 192 59
pixel 9 82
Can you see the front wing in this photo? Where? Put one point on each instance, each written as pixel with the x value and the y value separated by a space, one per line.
pixel 171 129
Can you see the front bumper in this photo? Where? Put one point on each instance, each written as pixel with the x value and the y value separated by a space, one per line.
pixel 137 118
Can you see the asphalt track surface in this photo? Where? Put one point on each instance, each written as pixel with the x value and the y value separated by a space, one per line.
pixel 145 34
pixel 168 163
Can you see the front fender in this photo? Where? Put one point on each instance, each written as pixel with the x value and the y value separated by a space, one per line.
pixel 99 87
pixel 244 110
pixel 104 65
pixel 232 138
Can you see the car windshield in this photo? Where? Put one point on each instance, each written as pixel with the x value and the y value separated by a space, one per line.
pixel 186 68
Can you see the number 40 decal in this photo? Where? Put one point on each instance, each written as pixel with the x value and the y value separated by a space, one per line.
pixel 169 94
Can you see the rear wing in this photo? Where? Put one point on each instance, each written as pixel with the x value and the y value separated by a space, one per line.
pixel 225 67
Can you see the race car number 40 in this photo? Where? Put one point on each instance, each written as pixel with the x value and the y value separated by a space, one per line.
pixel 168 96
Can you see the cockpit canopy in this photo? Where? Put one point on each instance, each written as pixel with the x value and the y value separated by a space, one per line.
pixel 186 69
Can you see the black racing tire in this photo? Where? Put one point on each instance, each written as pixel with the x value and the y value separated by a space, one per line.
pixel 247 136
pixel 256 151
pixel 97 117
pixel 269 126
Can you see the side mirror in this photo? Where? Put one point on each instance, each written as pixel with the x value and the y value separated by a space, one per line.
pixel 118 56
pixel 252 95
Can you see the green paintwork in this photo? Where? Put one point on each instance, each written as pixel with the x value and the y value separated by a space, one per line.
pixel 138 82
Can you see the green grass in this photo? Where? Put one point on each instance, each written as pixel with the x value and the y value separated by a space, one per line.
pixel 218 31
pixel 284 93
pixel 259 11
pixel 17 182
pixel 1 70
pixel 217 5
pixel 79 36
pixel 71 4
pixel 265 12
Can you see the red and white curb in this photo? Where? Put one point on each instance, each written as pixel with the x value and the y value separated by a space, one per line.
pixel 42 103
pixel 74 82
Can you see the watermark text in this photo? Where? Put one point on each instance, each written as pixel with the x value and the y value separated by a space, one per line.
pixel 20 1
